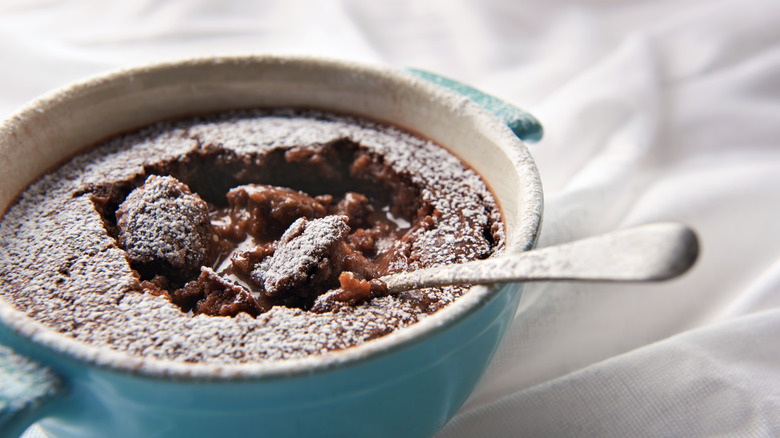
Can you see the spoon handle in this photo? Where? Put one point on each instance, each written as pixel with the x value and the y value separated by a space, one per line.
pixel 652 252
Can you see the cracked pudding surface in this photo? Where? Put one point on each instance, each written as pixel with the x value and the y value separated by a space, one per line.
pixel 230 238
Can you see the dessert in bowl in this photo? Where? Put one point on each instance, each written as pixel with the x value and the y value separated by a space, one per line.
pixel 187 340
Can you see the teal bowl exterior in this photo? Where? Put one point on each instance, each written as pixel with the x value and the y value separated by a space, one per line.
pixel 439 373
pixel 409 389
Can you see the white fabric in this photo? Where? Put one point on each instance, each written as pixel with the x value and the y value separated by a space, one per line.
pixel 653 110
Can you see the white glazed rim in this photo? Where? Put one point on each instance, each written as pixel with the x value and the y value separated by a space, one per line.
pixel 525 226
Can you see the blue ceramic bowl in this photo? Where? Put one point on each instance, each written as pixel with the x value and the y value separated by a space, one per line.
pixel 408 383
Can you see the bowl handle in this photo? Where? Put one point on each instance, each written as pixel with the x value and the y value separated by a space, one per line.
pixel 25 387
pixel 523 124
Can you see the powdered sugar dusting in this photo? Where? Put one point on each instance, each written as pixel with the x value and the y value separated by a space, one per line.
pixel 163 221
pixel 59 264
pixel 301 247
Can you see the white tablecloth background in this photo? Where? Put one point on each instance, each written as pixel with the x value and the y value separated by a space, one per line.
pixel 653 110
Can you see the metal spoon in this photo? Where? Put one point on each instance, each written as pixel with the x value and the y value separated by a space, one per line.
pixel 652 252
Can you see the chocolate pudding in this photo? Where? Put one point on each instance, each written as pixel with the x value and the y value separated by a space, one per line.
pixel 243 236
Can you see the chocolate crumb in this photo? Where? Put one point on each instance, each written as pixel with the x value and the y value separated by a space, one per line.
pixel 213 295
pixel 304 259
pixel 164 227
pixel 352 291
pixel 264 212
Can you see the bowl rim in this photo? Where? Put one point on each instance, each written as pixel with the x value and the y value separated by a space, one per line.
pixel 114 360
